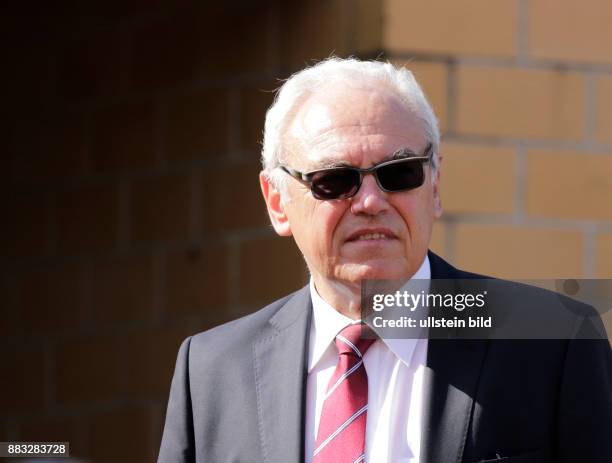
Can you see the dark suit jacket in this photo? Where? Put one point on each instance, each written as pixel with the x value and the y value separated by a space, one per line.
pixel 238 394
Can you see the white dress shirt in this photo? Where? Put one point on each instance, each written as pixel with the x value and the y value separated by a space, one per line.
pixel 395 369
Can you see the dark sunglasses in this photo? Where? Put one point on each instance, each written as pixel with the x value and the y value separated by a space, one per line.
pixel 344 182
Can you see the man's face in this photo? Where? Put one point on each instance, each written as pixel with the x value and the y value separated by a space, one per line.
pixel 374 234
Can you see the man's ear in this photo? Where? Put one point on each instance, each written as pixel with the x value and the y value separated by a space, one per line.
pixel 276 210
pixel 436 191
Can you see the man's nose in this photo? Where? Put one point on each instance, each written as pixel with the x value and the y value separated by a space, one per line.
pixel 370 199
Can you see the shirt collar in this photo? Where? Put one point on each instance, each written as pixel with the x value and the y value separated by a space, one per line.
pixel 327 322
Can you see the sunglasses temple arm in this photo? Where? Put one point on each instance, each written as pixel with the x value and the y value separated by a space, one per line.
pixel 304 178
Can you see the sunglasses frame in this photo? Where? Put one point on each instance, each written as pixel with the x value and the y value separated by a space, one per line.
pixel 307 177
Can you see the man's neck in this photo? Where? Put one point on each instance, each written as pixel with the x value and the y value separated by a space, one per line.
pixel 345 297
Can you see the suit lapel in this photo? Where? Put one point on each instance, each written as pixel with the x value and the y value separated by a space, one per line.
pixel 280 368
pixel 451 380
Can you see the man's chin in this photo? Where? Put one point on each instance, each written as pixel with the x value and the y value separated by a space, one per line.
pixel 376 270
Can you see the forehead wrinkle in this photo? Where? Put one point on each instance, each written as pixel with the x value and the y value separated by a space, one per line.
pixel 330 131
pixel 325 140
pixel 332 161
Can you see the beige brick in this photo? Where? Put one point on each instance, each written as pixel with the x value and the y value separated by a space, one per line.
pixel 123 137
pixel 433 78
pixel 477 179
pixel 570 31
pixel 604 115
pixel 88 218
pixel 269 269
pixel 312 30
pixel 520 103
pixel 129 430
pixel 161 208
pixel 198 125
pixel 439 233
pixel 569 185
pixel 196 281
pixel 514 252
pixel 232 199
pixel 90 370
pixel 469 27
pixel 122 289
pixel 603 255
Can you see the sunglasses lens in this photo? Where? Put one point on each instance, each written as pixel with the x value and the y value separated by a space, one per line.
pixel 401 176
pixel 335 184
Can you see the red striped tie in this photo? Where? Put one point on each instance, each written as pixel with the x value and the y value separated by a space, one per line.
pixel 341 435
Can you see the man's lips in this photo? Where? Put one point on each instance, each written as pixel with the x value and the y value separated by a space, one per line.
pixel 371 234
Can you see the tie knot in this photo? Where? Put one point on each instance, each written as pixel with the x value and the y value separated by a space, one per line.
pixel 352 340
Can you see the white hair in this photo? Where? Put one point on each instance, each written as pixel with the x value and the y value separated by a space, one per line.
pixel 304 83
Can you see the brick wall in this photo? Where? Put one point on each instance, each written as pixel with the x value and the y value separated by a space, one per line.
pixel 523 89
pixel 130 203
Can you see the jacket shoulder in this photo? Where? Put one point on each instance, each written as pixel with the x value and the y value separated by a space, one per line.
pixel 440 269
pixel 232 337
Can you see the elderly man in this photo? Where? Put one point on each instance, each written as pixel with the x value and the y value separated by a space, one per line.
pixel 351 172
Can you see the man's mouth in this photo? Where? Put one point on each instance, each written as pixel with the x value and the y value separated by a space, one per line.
pixel 373 235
